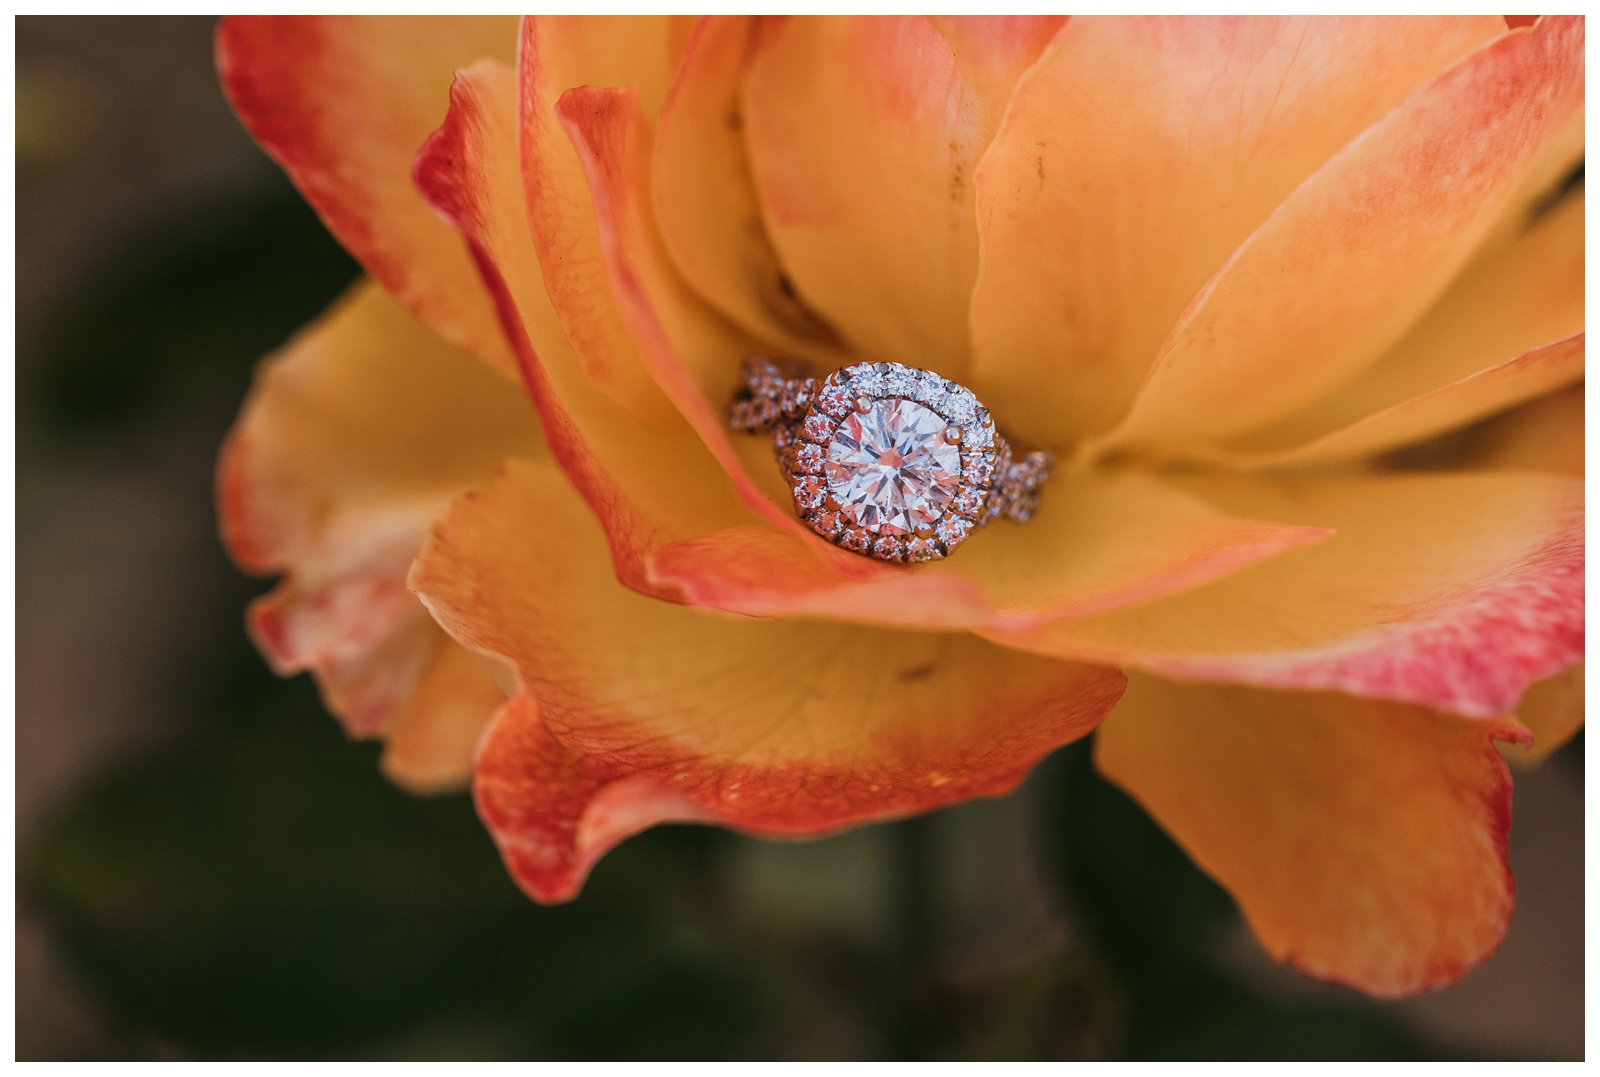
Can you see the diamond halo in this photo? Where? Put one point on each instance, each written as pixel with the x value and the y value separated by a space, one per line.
pixel 886 460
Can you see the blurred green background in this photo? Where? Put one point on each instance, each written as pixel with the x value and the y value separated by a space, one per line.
pixel 208 869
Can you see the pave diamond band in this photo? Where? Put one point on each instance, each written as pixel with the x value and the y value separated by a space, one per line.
pixel 886 460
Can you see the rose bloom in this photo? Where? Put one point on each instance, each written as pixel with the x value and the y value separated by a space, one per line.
pixel 1296 303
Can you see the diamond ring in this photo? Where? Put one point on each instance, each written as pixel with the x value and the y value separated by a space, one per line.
pixel 886 460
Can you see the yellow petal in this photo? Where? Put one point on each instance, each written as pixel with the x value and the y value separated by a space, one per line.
pixel 1544 435
pixel 1516 381
pixel 1096 543
pixel 777 728
pixel 352 440
pixel 863 136
pixel 342 103
pixel 559 53
pixel 1553 711
pixel 993 51
pixel 431 741
pixel 705 200
pixel 1365 842
pixel 648 486
pixel 609 50
pixel 1362 248
pixel 1449 590
pixel 1136 156
pixel 690 351
pixel 1510 302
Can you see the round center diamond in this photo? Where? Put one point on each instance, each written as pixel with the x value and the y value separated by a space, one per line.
pixel 890 468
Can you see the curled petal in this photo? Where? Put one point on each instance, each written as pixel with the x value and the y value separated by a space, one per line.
pixel 647 486
pixel 558 53
pixel 1365 842
pixel 705 200
pixel 1096 543
pixel 1400 210
pixel 863 135
pixel 1136 155
pixel 643 51
pixel 1515 381
pixel 993 51
pixel 668 322
pixel 776 728
pixel 430 744
pixel 555 812
pixel 1452 591
pixel 352 440
pixel 1480 350
pixel 342 103
pixel 1552 710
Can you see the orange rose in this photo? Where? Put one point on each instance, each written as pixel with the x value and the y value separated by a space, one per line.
pixel 1242 276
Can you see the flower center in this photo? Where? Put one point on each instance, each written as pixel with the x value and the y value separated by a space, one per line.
pixel 890 467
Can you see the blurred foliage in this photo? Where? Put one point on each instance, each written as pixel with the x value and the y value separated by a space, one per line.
pixel 254 889
pixel 184 313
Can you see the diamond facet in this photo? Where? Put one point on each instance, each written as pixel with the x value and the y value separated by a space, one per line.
pixel 959 404
pixel 952 529
pixel 887 548
pixel 921 549
pixel 827 523
pixel 979 469
pixel 817 427
pixel 890 467
pixel 928 389
pixel 969 502
pixel 835 401
pixel 863 379
pixel 808 459
pixel 808 494
pixel 896 380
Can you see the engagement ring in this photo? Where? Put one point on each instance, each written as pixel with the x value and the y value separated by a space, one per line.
pixel 886 460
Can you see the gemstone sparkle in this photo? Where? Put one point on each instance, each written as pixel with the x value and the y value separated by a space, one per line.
pixel 890 467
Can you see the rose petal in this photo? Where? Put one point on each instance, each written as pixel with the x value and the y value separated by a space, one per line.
pixel 643 51
pixel 992 52
pixel 556 54
pixel 1400 210
pixel 342 103
pixel 1553 712
pixel 863 135
pixel 777 728
pixel 1544 435
pixel 430 743
pixel 1453 591
pixel 1516 381
pixel 648 486
pixel 705 201
pixel 352 440
pixel 1365 842
pixel 1553 171
pixel 554 812
pixel 1136 156
pixel 1459 364
pixel 665 320
pixel 1097 542
pixel 662 316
